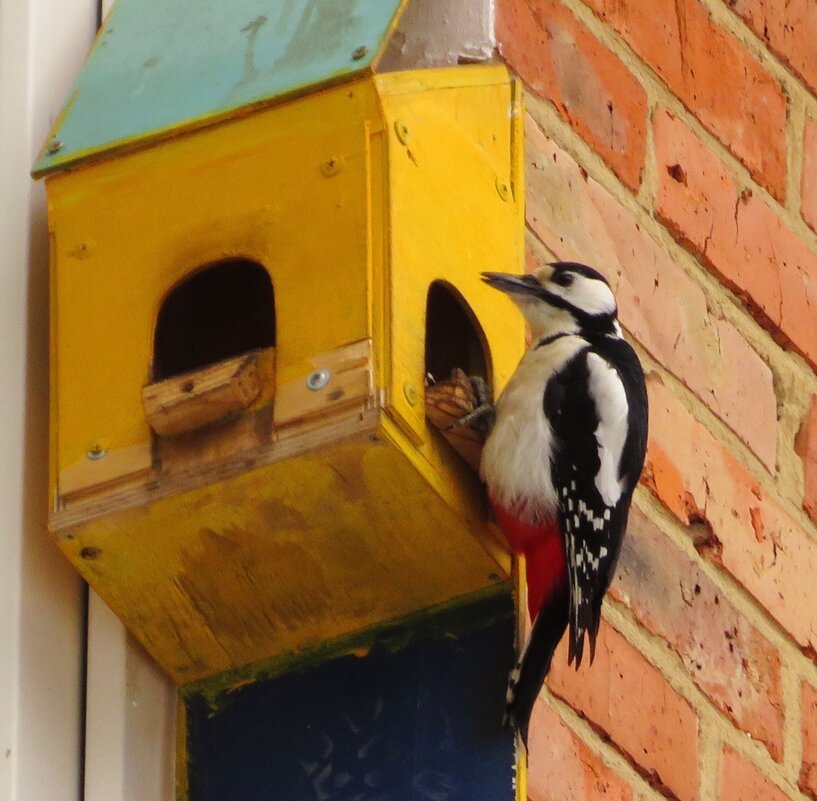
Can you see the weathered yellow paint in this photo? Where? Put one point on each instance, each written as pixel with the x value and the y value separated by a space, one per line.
pixel 280 558
pixel 127 231
pixel 354 199
pixel 448 218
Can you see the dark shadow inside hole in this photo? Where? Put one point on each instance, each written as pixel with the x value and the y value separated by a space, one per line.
pixel 219 312
pixel 454 337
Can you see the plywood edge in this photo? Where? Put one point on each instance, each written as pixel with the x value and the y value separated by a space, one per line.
pixel 334 380
pixel 103 468
pixel 455 77
pixel 351 423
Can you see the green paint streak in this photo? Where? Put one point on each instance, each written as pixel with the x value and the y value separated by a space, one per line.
pixel 450 620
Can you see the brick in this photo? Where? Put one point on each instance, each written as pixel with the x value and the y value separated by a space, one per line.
pixel 727 657
pixel 808 180
pixel 808 773
pixel 751 535
pixel 789 28
pixel 806 447
pixel 577 219
pixel 714 76
pixel 737 235
pixel 629 700
pixel 562 768
pixel 740 780
pixel 562 62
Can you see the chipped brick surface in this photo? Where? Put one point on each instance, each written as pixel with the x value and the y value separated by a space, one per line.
pixel 808 713
pixel 579 220
pixel 692 223
pixel 563 62
pixel 806 448
pixel 563 768
pixel 808 179
pixel 754 538
pixel 789 27
pixel 628 699
pixel 727 657
pixel 713 74
pixel 740 780
pixel 738 235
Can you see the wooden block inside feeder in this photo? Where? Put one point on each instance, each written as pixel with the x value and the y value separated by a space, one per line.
pixel 446 403
pixel 196 399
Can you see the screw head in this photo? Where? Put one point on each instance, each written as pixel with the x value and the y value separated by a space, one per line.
pixel 54 146
pixel 332 166
pixel 96 451
pixel 360 52
pixel 503 190
pixel 410 393
pixel 318 379
pixel 402 131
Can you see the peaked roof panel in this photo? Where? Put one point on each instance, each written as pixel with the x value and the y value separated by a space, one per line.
pixel 162 65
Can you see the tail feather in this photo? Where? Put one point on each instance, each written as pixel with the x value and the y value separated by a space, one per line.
pixel 527 677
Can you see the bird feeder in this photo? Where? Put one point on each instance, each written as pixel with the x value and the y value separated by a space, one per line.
pixel 263 249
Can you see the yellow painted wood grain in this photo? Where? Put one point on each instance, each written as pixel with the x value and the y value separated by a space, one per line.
pixel 127 231
pixel 355 200
pixel 280 558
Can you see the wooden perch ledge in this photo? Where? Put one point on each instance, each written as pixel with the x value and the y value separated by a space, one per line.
pixel 446 403
pixel 197 399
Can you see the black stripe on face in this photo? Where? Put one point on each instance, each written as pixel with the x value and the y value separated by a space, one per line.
pixel 579 269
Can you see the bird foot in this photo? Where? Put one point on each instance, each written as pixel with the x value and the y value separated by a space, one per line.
pixel 483 415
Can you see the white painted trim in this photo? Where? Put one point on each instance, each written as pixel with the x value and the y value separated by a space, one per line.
pixel 42 44
pixel 130 717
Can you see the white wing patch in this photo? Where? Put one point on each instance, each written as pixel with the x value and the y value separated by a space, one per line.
pixel 608 394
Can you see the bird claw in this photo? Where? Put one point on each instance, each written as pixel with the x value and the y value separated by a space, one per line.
pixel 482 416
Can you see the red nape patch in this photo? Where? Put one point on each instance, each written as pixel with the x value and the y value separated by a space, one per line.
pixel 542 546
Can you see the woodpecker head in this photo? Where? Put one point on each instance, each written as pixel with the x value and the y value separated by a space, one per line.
pixel 561 297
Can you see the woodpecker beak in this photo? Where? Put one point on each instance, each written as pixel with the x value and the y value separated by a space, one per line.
pixel 513 284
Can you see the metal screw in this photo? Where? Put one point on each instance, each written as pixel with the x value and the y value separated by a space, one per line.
pixel 318 380
pixel 410 393
pixel 331 166
pixel 96 452
pixel 503 190
pixel 54 147
pixel 360 52
pixel 89 552
pixel 402 131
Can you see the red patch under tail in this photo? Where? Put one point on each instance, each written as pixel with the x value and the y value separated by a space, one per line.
pixel 543 549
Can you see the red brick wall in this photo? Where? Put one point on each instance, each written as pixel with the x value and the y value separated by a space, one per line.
pixel 673 144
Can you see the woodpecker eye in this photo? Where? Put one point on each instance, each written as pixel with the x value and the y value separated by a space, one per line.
pixel 563 279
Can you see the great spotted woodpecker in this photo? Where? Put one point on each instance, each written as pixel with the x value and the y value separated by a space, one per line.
pixel 563 458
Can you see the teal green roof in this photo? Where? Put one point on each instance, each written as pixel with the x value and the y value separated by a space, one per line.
pixel 160 65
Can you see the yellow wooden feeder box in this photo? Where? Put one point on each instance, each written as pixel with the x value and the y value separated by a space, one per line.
pixel 259 251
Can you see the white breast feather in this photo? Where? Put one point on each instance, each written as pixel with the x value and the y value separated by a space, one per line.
pixel 516 457
pixel 608 394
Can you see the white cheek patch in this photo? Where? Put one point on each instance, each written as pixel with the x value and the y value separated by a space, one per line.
pixel 589 295
pixel 610 399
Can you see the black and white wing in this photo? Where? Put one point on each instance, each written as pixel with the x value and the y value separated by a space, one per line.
pixel 596 406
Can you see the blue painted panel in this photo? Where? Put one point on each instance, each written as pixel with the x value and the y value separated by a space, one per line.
pixel 161 64
pixel 420 723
